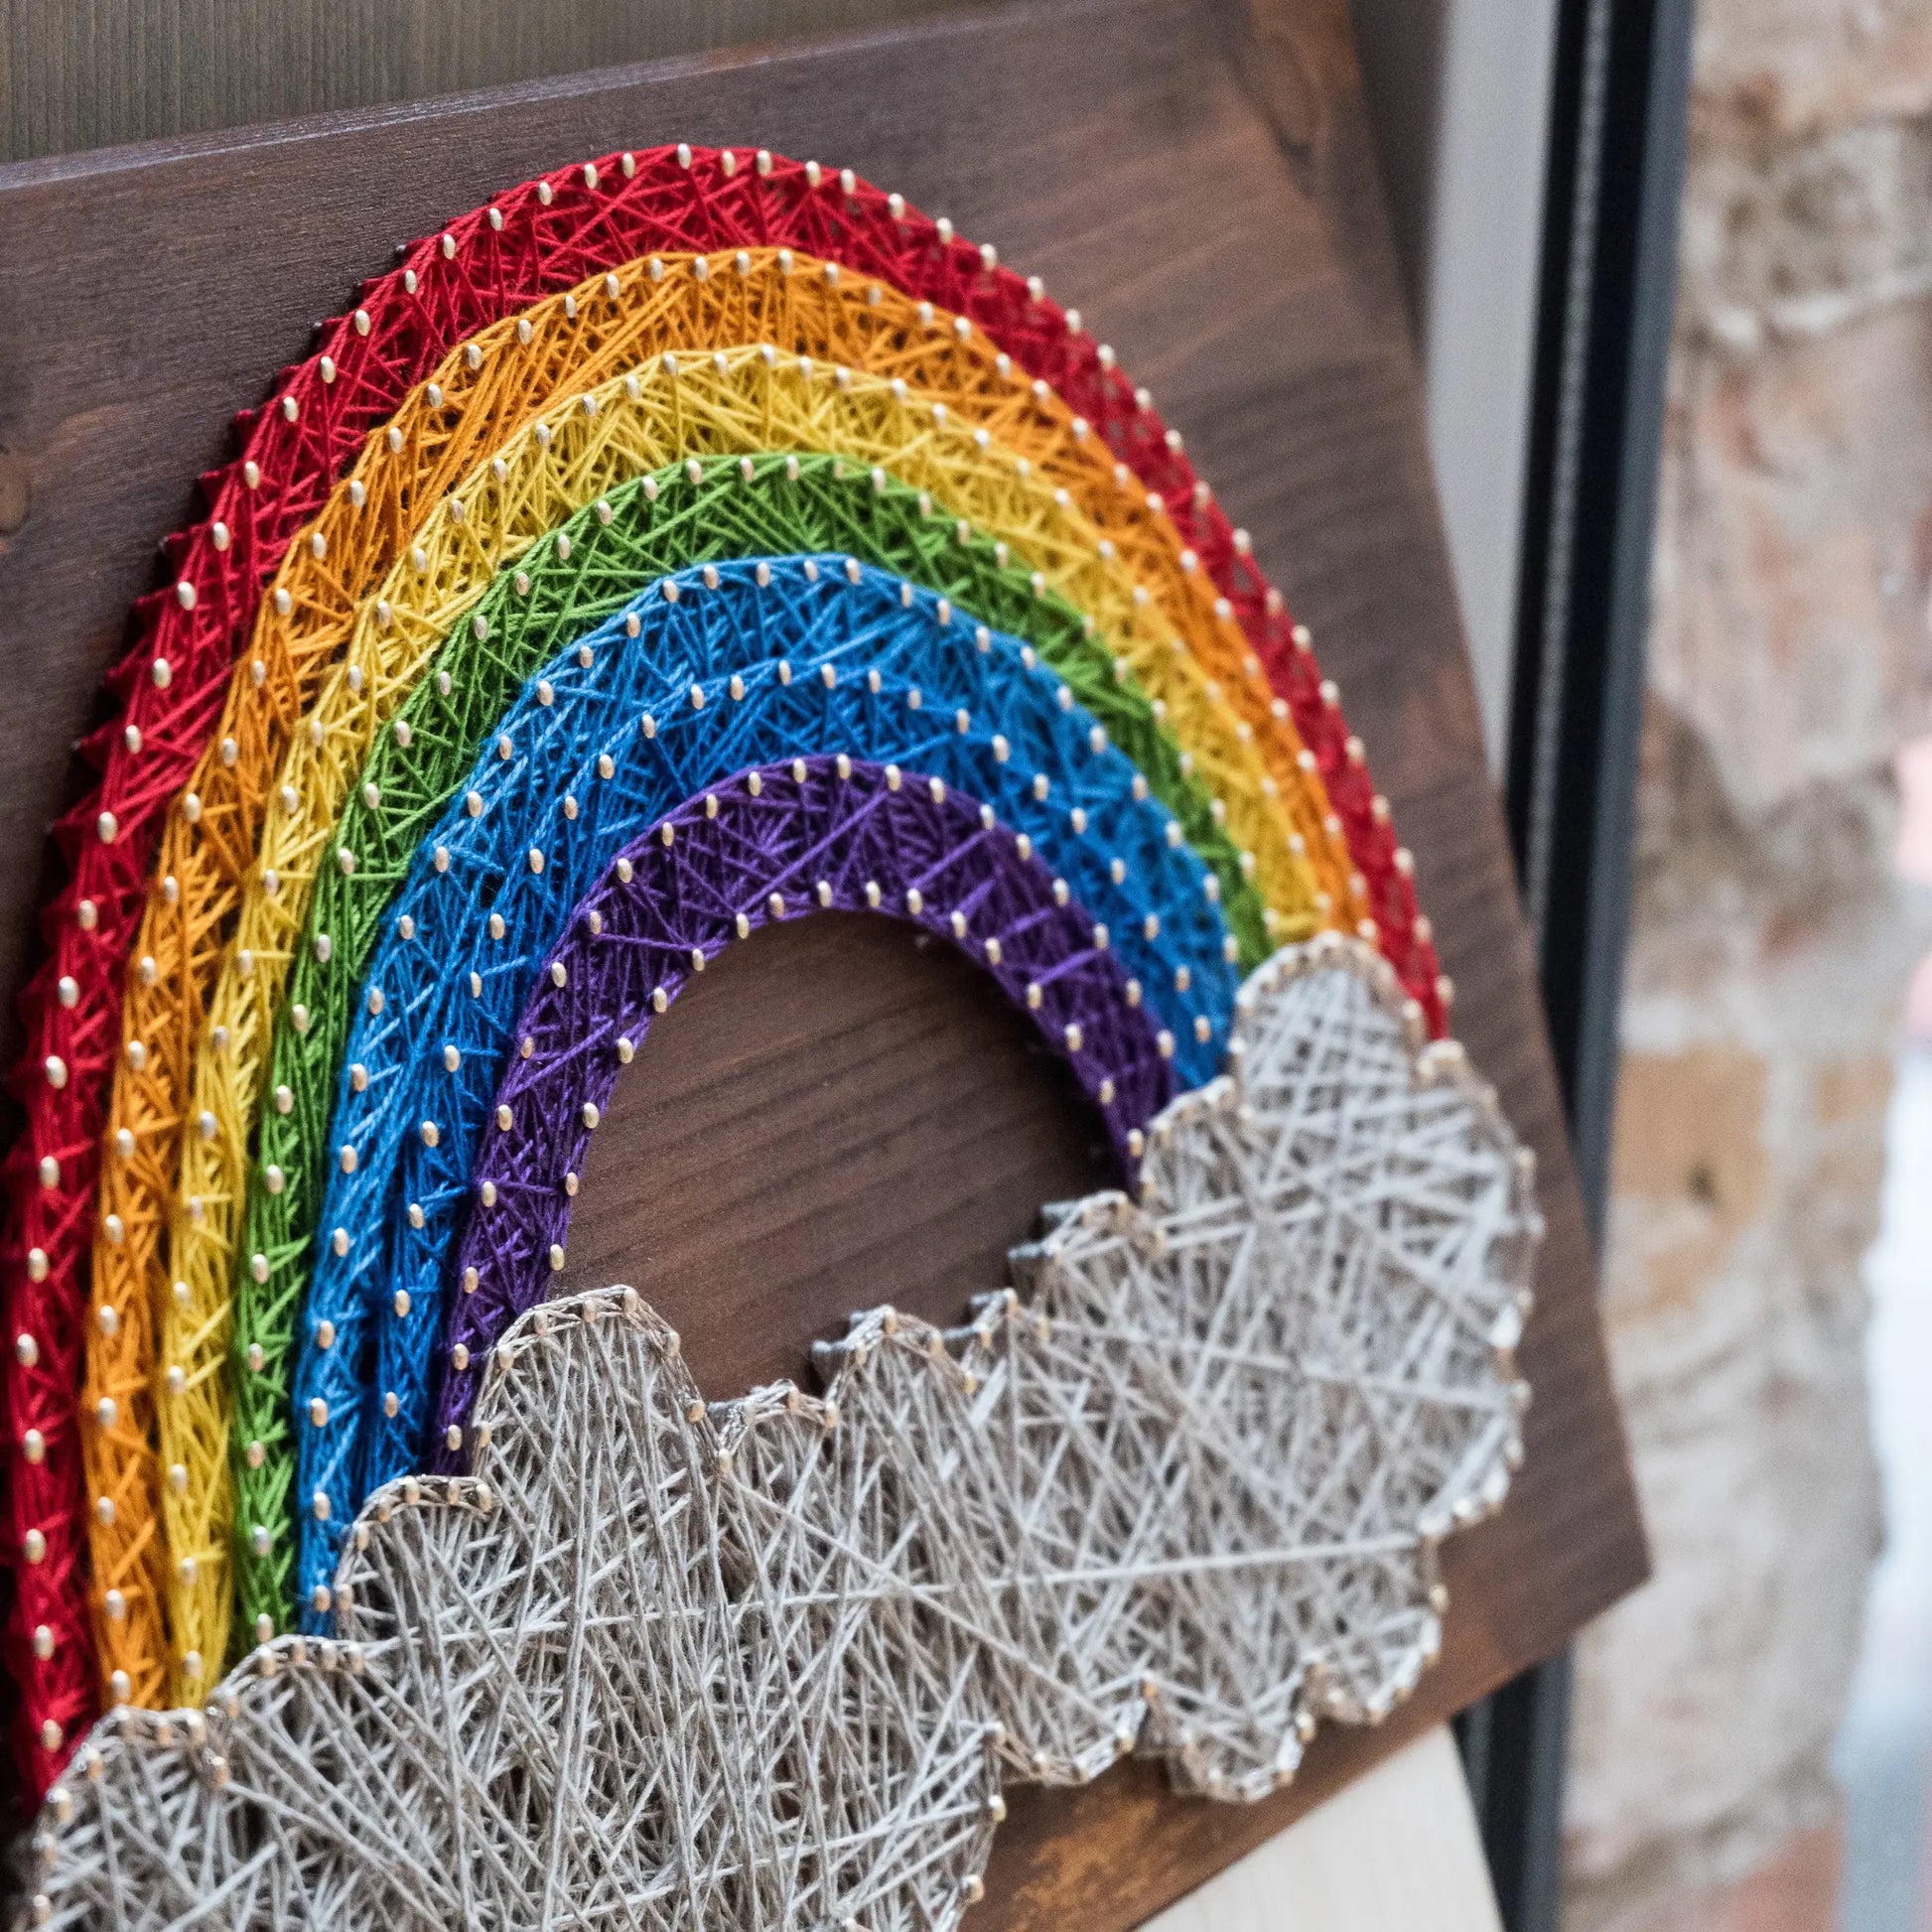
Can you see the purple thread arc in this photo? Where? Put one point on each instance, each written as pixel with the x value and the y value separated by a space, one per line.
pixel 775 842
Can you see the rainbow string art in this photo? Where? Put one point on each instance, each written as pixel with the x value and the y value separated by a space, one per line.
pixel 680 543
pixel 541 238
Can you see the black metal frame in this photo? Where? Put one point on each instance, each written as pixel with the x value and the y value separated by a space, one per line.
pixel 1615 177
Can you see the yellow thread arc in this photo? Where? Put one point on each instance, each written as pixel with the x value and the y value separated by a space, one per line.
pixel 860 322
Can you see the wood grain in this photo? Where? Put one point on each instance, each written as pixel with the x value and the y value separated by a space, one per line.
pixel 94 73
pixel 1198 180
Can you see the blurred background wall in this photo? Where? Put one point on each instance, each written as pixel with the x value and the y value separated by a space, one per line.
pixel 1774 935
pixel 1772 944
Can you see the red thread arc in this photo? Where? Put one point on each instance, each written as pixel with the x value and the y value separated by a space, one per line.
pixel 538 239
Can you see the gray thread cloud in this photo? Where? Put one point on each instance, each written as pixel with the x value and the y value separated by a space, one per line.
pixel 765 1662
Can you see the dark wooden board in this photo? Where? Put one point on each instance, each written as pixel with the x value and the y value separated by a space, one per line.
pixel 1197 179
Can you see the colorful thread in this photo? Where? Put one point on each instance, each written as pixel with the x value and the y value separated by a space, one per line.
pixel 737 507
pixel 543 237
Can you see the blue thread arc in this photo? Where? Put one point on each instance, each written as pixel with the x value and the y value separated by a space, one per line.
pixel 1028 749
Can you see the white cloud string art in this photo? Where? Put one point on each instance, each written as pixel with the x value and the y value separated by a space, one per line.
pixel 767 1662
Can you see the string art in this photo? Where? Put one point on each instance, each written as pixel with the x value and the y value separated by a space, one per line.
pixel 776 843
pixel 589 757
pixel 738 399
pixel 771 1660
pixel 731 507
pixel 540 238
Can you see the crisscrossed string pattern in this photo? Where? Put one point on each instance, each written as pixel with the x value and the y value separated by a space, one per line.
pixel 780 842
pixel 592 756
pixel 732 508
pixel 765 1661
pixel 542 237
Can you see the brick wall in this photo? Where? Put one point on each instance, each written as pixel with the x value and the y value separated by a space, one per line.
pixel 1769 958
